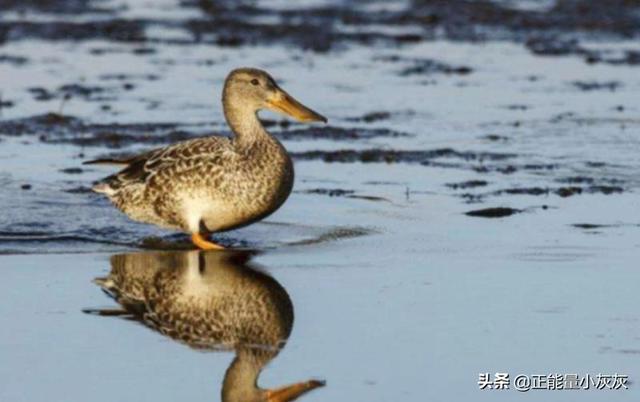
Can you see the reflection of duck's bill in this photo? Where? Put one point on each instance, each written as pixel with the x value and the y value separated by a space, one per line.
pixel 292 392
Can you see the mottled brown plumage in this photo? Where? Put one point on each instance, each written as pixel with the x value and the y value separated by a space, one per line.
pixel 215 183
pixel 210 301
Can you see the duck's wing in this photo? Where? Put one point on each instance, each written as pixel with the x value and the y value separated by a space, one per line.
pixel 140 168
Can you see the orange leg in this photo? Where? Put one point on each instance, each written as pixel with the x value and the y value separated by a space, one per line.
pixel 203 243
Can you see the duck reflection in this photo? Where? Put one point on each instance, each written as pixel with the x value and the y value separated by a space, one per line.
pixel 210 300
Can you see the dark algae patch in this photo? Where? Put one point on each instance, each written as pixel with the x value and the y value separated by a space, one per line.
pixel 335 133
pixel 497 212
pixel 586 180
pixel 338 192
pixel 561 191
pixel 41 94
pixel 546 30
pixel 467 184
pixel 423 67
pixel 372 117
pixel 56 128
pixel 597 86
pixel 78 190
pixel 595 227
pixel 418 66
pixel 555 26
pixel 59 128
pixel 5 104
pixel 15 60
pixel 331 192
pixel 495 138
pixel 72 170
pixel 589 226
pixel 397 156
pixel 61 7
pixel 73 91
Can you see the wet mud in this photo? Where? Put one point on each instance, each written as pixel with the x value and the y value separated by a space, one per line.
pixel 55 128
pixel 546 29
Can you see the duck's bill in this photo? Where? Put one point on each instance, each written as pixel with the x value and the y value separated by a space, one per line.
pixel 285 103
pixel 292 392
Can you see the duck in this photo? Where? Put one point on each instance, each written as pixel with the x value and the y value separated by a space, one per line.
pixel 209 301
pixel 215 183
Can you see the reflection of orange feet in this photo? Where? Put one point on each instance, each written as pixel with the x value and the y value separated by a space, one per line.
pixel 203 243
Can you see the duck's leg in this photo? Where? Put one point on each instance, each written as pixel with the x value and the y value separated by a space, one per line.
pixel 201 241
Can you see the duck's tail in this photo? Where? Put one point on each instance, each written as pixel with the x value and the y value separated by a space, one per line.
pixel 103 188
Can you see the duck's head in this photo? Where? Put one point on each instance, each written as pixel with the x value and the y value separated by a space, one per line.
pixel 251 90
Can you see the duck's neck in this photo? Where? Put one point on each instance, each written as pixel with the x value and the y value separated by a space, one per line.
pixel 244 123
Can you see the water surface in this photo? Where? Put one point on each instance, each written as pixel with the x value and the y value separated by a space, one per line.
pixel 469 208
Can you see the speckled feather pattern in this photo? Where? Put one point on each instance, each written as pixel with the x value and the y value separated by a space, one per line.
pixel 216 181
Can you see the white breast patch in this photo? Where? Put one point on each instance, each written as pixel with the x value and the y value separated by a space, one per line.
pixel 215 213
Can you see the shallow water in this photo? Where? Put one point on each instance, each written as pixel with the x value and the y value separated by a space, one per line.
pixel 470 207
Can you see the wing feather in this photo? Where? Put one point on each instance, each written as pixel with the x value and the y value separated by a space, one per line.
pixel 140 168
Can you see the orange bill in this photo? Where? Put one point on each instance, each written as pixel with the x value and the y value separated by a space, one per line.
pixel 284 103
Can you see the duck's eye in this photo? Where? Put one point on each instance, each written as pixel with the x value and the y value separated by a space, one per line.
pixel 255 81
